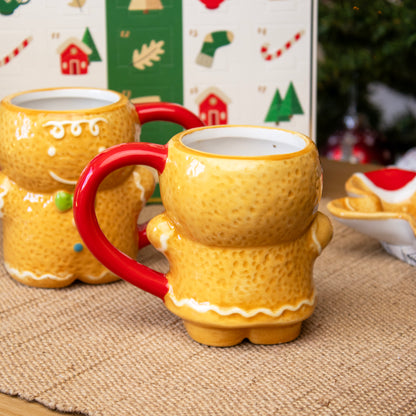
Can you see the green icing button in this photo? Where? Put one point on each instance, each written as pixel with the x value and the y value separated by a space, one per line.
pixel 64 200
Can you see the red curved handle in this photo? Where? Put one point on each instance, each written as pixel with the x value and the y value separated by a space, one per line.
pixel 174 113
pixel 86 220
pixel 163 111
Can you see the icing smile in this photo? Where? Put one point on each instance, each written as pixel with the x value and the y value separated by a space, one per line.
pixel 62 180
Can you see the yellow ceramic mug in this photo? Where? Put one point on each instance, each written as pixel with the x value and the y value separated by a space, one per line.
pixel 47 137
pixel 241 229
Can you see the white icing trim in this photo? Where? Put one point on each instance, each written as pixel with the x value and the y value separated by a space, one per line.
pixel 393 197
pixel 203 307
pixel 58 129
pixel 138 183
pixel 315 239
pixel 62 180
pixel 25 274
pixel 165 233
pixel 6 188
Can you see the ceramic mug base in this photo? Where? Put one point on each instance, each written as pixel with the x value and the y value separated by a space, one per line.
pixel 227 337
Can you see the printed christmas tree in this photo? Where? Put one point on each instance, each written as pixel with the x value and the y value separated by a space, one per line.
pixel 290 104
pixel 273 114
pixel 89 41
pixel 283 110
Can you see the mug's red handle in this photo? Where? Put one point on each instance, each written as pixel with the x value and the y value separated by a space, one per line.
pixel 174 113
pixel 86 220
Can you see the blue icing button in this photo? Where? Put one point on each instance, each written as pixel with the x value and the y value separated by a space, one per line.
pixel 78 247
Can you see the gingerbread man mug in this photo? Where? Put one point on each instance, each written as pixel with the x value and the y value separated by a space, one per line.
pixel 241 230
pixel 47 137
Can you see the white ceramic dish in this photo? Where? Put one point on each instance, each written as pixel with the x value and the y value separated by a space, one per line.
pixel 382 205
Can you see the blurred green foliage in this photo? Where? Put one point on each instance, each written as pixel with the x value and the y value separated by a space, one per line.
pixel 362 42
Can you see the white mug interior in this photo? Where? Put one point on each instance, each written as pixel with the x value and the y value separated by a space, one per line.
pixel 244 141
pixel 65 99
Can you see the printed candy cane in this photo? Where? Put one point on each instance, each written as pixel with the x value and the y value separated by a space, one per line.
pixel 15 51
pixel 269 56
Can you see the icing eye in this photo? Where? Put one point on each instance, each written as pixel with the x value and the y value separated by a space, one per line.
pixel 51 151
pixel 101 149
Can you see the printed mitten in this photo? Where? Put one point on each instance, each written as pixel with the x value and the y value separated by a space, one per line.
pixel 212 42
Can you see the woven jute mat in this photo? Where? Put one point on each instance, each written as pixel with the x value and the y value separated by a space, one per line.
pixel 115 350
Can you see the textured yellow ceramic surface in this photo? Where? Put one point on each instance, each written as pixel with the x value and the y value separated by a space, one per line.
pixel 241 237
pixel 42 154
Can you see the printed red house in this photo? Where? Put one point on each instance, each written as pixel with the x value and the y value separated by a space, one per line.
pixel 213 106
pixel 74 57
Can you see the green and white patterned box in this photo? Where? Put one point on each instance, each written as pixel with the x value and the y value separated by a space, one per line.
pixel 229 61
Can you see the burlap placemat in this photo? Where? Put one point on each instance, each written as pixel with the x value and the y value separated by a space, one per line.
pixel 115 350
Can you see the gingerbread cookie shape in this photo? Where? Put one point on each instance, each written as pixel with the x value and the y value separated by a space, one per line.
pixel 241 230
pixel 44 150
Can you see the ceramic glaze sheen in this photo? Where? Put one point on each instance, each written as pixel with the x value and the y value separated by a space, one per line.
pixel 241 233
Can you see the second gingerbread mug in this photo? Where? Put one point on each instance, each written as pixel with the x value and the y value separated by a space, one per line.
pixel 241 230
pixel 47 137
